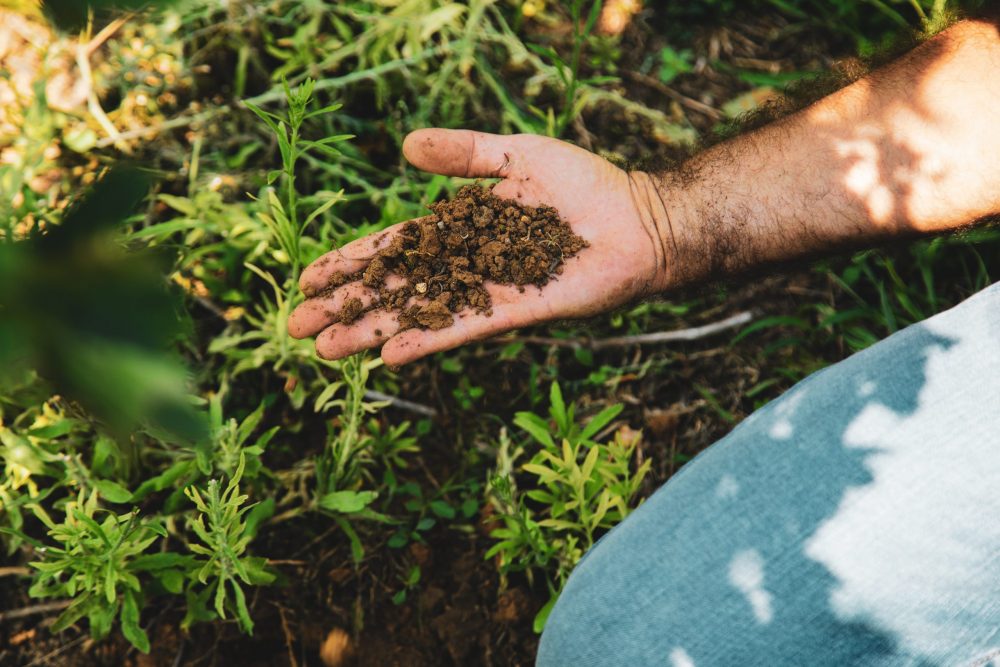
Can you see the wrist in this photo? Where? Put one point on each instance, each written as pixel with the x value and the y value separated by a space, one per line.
pixel 667 213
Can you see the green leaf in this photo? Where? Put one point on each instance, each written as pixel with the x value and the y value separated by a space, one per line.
pixel 326 141
pixel 54 430
pixel 242 613
pixel 600 420
pixel 249 425
pixel 269 118
pixel 357 549
pixel 325 396
pixel 322 208
pixel 347 502
pixel 535 427
pixel 164 480
pixel 112 491
pixel 771 322
pixel 130 623
pixel 257 573
pixel 588 463
pixel 77 610
pixel 172 580
pixel 327 109
pixel 442 509
pixel 558 407
pixel 545 475
pixel 469 507
pixel 260 513
pixel 543 614
pixel 160 561
pixel 595 11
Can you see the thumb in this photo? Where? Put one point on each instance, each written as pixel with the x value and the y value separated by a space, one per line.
pixel 460 152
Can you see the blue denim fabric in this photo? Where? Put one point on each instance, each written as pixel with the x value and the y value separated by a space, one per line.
pixel 854 521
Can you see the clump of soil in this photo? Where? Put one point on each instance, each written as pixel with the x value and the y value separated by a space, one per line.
pixel 446 257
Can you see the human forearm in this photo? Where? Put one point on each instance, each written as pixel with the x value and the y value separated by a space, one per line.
pixel 912 148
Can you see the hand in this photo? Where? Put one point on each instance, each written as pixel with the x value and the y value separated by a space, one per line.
pixel 608 207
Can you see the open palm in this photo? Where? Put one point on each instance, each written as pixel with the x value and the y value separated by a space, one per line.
pixel 602 203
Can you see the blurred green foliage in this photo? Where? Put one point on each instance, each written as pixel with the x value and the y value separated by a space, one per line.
pixel 94 319
pixel 74 14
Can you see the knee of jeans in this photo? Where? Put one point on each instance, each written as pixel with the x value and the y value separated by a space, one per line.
pixel 569 637
pixel 563 639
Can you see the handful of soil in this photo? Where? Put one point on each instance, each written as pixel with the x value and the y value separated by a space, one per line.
pixel 446 257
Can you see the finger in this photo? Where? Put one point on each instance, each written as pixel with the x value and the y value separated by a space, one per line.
pixel 462 152
pixel 413 344
pixel 347 260
pixel 314 315
pixel 342 340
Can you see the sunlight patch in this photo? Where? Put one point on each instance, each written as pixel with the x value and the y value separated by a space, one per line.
pixel 909 550
pixel 728 488
pixel 782 428
pixel 680 658
pixel 746 573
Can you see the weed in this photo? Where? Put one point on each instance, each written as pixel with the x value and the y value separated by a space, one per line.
pixel 674 63
pixel 577 489
pixel 569 72
pixel 283 216
pixel 225 534
pixel 96 563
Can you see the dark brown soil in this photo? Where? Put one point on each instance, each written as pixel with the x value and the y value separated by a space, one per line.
pixel 352 310
pixel 447 257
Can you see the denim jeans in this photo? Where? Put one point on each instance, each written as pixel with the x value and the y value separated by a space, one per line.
pixel 853 521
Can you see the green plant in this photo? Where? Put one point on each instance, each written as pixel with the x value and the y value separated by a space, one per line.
pixel 426 510
pixel 352 447
pixel 225 531
pixel 673 63
pixel 283 218
pixel 410 580
pixel 569 72
pixel 576 488
pixel 233 450
pixel 97 564
pixel 339 468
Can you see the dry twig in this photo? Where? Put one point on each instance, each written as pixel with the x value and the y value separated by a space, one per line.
pixel 42 608
pixel 289 641
pixel 693 333
pixel 401 403
pixel 57 652
pixel 680 98
pixel 14 571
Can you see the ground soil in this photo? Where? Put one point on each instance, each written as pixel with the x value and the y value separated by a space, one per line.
pixel 445 258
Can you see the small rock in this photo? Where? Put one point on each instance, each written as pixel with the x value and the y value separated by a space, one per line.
pixel 337 649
